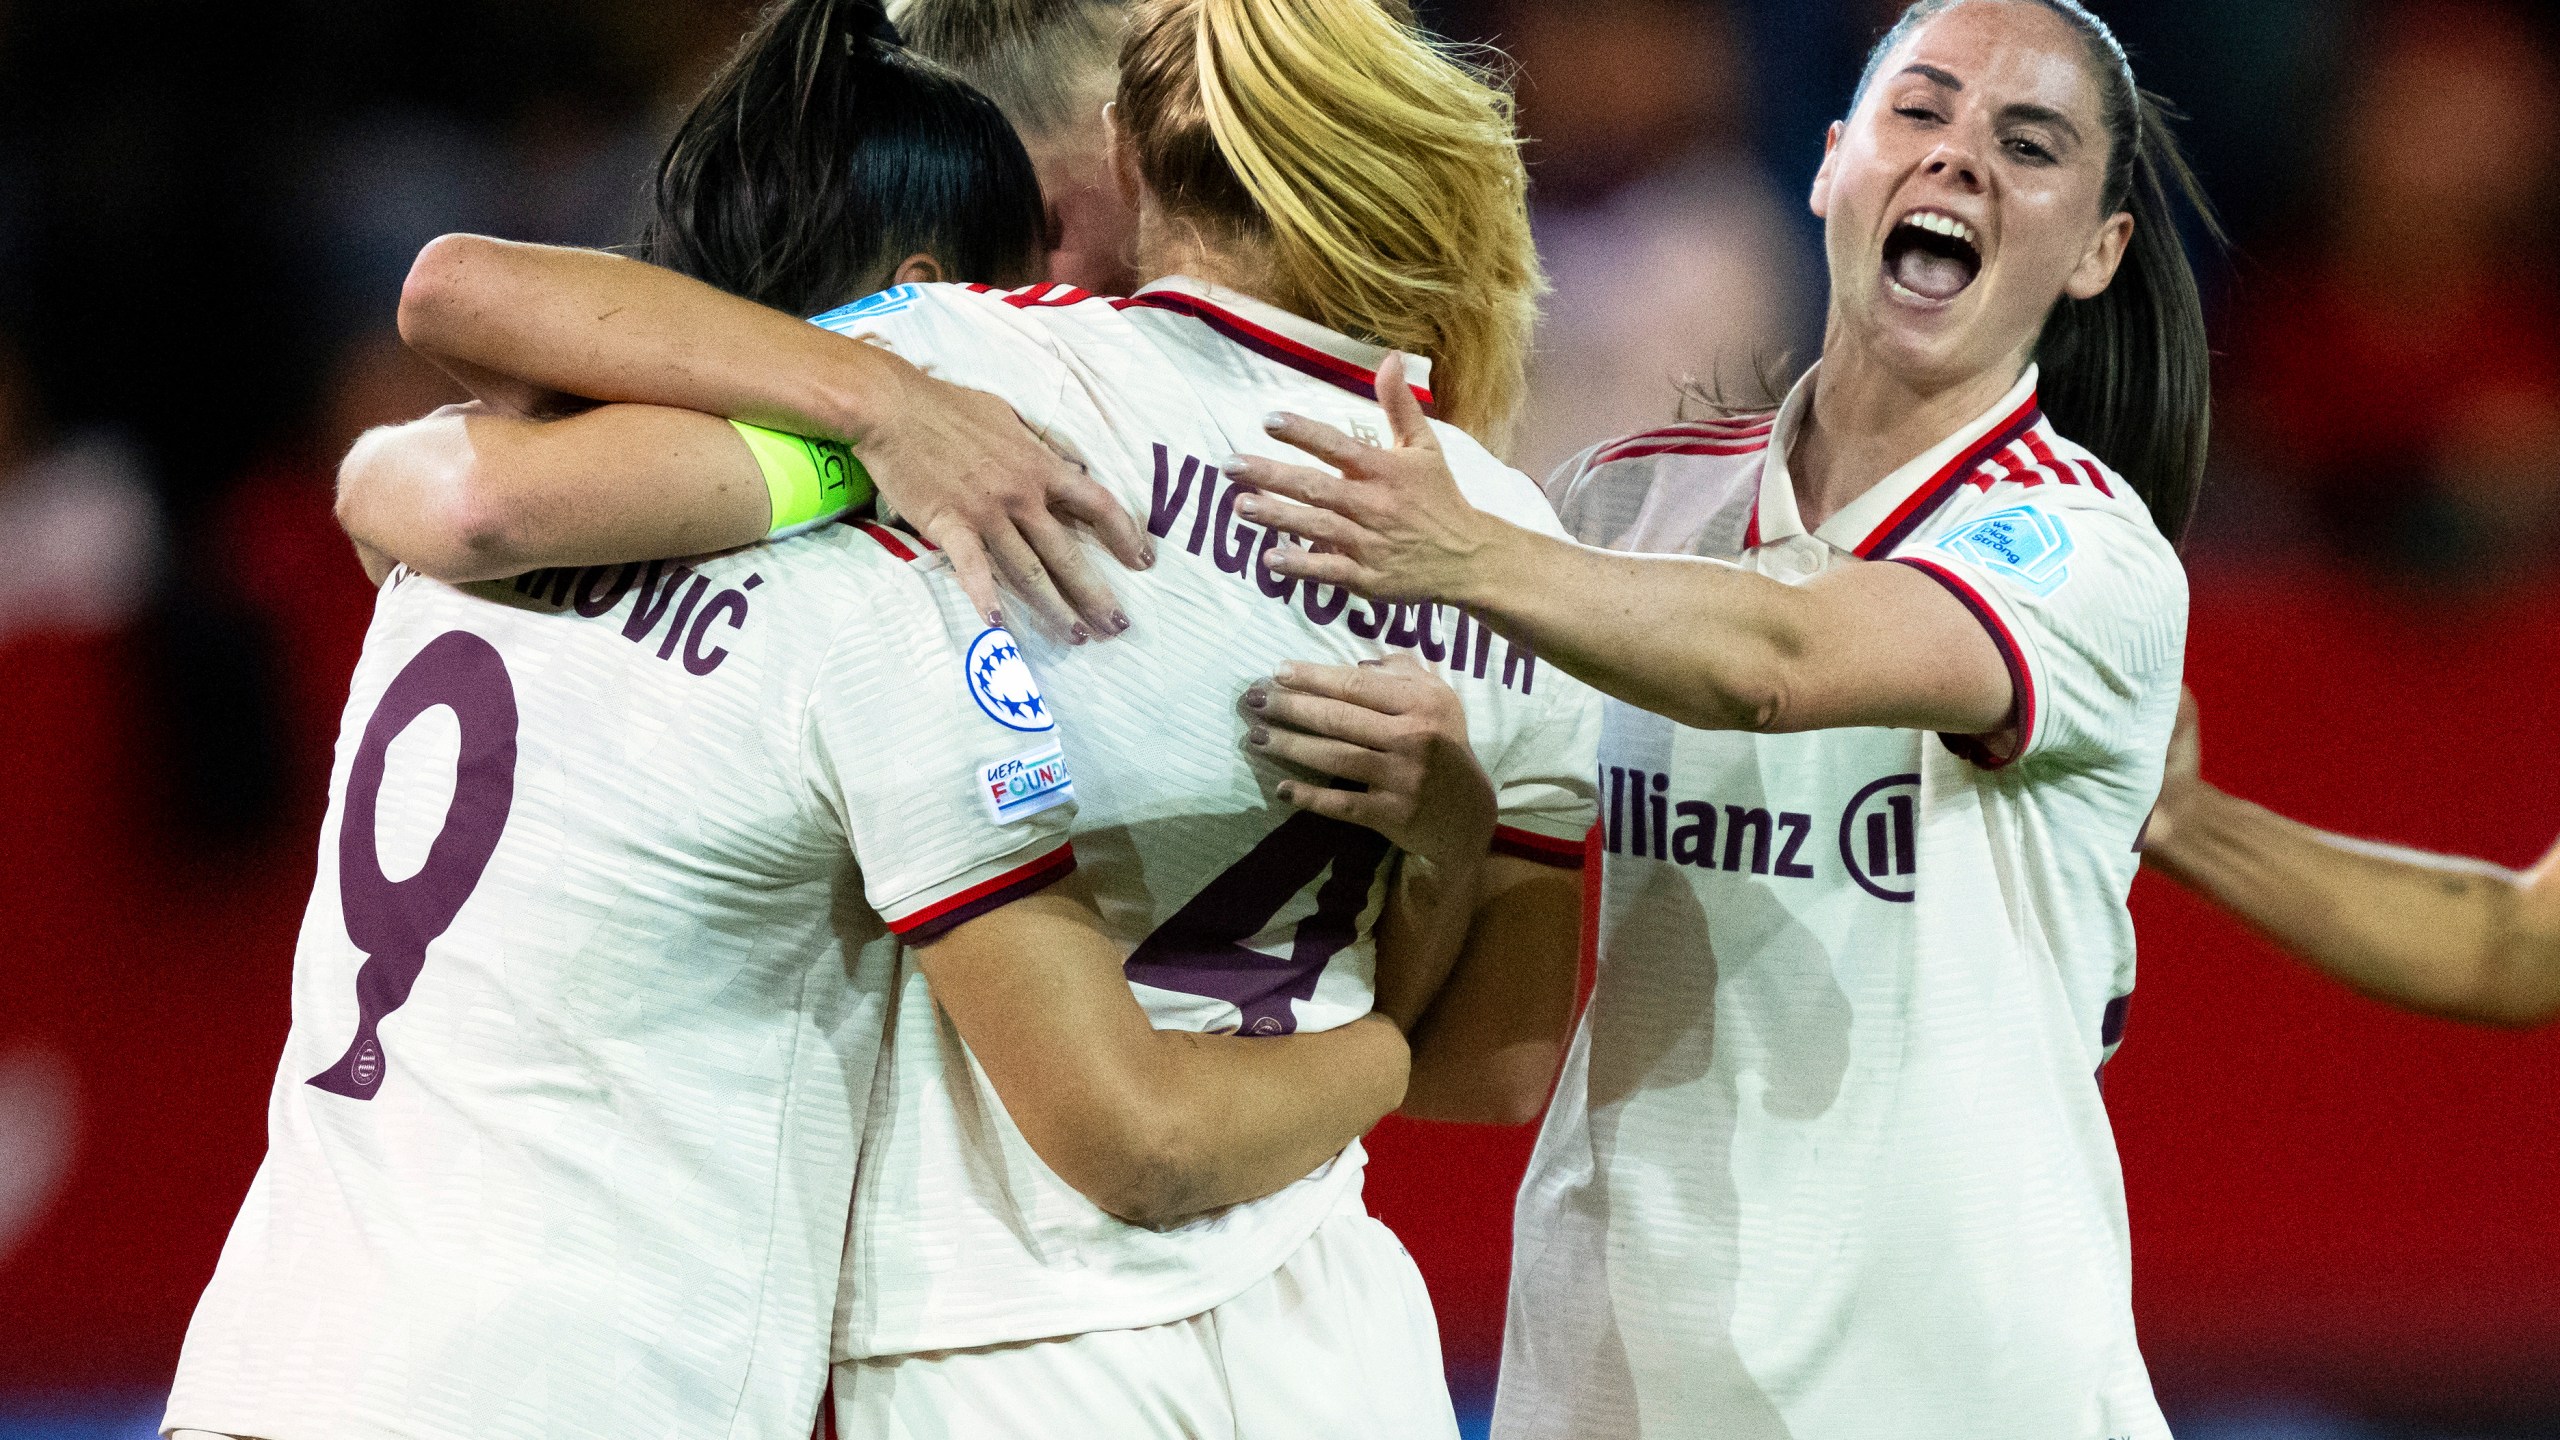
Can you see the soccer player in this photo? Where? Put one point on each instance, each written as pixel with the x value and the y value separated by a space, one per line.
pixel 2438 934
pixel 1271 150
pixel 1050 66
pixel 1892 674
pixel 614 885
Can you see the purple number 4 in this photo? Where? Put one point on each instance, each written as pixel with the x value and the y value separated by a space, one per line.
pixel 393 921
pixel 1201 949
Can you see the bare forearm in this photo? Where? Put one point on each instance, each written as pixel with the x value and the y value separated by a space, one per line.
pixel 1421 933
pixel 2439 934
pixel 1246 1116
pixel 1717 647
pixel 1698 640
pixel 467 495
pixel 1487 1051
pixel 610 329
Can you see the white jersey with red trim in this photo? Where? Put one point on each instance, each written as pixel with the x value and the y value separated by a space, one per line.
pixel 1241 914
pixel 590 994
pixel 1829 1157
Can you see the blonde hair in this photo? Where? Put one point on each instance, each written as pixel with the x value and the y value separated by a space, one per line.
pixel 1046 63
pixel 1383 173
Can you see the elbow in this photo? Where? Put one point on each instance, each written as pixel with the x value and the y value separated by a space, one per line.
pixel 1509 1092
pixel 449 527
pixel 1146 1175
pixel 439 283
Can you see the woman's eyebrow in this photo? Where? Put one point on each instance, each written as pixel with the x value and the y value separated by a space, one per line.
pixel 1934 76
pixel 2034 114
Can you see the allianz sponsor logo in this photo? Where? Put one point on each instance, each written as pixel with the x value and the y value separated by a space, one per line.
pixel 1877 833
pixel 1027 784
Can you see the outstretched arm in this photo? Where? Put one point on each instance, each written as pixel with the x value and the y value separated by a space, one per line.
pixel 1707 643
pixel 525 323
pixel 1151 1125
pixel 2446 936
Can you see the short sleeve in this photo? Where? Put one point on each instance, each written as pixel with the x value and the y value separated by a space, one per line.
pixel 929 740
pixel 1546 781
pixel 2088 607
pixel 966 335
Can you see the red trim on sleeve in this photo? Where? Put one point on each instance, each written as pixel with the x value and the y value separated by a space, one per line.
pixel 935 920
pixel 2021 679
pixel 2098 478
pixel 895 542
pixel 1528 845
pixel 1905 520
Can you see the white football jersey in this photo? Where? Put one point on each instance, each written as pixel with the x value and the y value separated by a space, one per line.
pixel 1240 913
pixel 1829 1157
pixel 591 990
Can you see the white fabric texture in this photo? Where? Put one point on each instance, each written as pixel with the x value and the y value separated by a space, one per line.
pixel 643 833
pixel 1829 1158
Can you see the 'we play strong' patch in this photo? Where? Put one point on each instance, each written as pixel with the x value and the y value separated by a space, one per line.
pixel 2030 546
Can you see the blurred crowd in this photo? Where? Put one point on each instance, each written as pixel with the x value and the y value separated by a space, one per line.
pixel 204 216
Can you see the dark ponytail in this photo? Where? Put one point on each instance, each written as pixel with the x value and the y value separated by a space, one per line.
pixel 825 153
pixel 2128 373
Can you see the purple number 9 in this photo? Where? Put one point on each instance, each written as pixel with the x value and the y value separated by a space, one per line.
pixel 393 921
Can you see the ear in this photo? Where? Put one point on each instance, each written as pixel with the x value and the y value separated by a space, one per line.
pixel 1124 157
pixel 1822 177
pixel 2097 268
pixel 918 269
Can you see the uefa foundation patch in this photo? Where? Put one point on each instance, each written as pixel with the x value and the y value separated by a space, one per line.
pixel 1027 784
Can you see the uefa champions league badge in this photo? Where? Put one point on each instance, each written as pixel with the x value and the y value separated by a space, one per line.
pixel 1002 684
pixel 2028 545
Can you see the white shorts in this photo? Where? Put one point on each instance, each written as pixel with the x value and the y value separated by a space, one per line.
pixel 1337 1344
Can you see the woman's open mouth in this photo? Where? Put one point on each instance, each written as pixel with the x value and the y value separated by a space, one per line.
pixel 1931 257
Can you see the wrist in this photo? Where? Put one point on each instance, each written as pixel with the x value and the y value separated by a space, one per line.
pixel 1492 554
pixel 863 389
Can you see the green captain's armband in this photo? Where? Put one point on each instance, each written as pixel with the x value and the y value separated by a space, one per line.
pixel 812 481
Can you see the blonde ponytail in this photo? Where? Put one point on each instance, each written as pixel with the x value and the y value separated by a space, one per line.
pixel 1383 174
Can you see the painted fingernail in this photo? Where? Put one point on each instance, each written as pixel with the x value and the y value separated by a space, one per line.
pixel 1256 698
pixel 1235 464
pixel 1275 419
pixel 1119 622
pixel 1149 554
pixel 996 618
pixel 1257 736
pixel 1287 673
pixel 1078 634
pixel 1288 794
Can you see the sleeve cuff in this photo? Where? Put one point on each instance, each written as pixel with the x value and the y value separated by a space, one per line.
pixel 1529 845
pixel 939 917
pixel 1999 748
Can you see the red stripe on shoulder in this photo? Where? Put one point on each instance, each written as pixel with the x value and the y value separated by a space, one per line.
pixel 986 895
pixel 2097 477
pixel 890 540
pixel 1528 845
pixel 1692 438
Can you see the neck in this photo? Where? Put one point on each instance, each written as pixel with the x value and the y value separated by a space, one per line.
pixel 1868 420
pixel 1173 245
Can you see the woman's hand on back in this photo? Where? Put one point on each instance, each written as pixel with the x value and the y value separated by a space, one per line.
pixel 962 468
pixel 1393 727
pixel 1392 525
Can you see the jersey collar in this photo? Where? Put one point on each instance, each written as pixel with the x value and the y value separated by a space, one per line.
pixel 1889 513
pixel 1277 335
